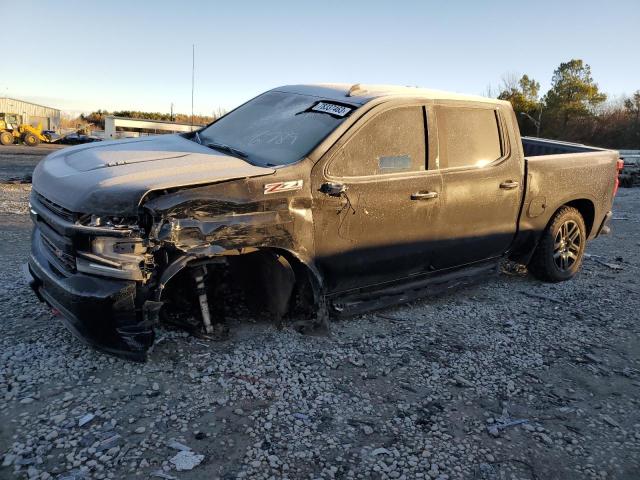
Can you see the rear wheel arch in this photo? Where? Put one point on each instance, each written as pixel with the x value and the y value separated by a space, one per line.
pixel 526 248
pixel 586 208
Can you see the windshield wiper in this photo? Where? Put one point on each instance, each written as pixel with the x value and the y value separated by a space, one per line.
pixel 227 149
pixel 197 137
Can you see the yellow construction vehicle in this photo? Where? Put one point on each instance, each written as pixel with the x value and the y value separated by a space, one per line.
pixel 13 130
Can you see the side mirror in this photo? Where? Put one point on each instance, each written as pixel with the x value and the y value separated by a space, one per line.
pixel 333 189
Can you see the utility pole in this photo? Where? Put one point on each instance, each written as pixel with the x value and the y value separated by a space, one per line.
pixel 171 116
pixel 193 70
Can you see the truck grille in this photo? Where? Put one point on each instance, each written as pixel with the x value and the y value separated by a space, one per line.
pixel 53 207
pixel 64 260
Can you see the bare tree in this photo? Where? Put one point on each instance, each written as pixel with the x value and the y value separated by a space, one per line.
pixel 490 91
pixel 510 81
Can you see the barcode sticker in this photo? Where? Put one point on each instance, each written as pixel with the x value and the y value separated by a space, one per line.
pixel 332 109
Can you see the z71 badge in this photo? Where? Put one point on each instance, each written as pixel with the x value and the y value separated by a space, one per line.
pixel 282 186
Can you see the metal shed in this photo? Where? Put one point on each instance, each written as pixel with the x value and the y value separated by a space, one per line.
pixel 32 113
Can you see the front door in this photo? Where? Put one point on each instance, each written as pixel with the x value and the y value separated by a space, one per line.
pixel 376 202
pixel 482 184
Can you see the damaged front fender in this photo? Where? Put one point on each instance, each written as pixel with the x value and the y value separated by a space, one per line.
pixel 264 241
pixel 227 216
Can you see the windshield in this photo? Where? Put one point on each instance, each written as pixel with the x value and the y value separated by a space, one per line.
pixel 276 128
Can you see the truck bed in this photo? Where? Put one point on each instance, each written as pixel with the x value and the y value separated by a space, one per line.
pixel 562 173
pixel 535 147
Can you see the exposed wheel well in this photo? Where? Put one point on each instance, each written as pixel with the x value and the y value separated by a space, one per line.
pixel 270 282
pixel 586 209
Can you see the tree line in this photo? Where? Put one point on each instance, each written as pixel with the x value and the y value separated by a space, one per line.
pixel 574 109
pixel 97 117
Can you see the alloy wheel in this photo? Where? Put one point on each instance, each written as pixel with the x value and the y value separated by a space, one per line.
pixel 566 248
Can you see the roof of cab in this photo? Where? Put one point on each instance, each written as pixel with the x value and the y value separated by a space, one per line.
pixel 361 93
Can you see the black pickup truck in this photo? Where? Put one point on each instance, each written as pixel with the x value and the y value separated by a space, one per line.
pixel 305 202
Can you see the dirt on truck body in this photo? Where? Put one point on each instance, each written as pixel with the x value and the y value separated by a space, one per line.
pixel 306 202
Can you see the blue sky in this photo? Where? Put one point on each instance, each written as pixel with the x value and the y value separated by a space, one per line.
pixel 80 56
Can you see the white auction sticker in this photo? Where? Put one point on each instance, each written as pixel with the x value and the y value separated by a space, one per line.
pixel 332 108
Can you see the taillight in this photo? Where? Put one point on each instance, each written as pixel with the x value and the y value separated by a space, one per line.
pixel 619 167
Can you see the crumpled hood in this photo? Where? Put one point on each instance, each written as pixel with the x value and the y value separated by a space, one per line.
pixel 112 177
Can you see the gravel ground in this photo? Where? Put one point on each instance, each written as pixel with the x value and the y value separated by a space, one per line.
pixel 510 379
pixel 18 161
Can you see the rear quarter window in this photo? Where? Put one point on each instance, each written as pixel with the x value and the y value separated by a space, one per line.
pixel 468 137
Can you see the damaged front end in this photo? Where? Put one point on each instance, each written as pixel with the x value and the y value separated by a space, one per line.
pixel 185 259
pixel 210 222
pixel 94 271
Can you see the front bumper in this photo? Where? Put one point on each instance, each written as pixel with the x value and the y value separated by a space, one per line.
pixel 100 311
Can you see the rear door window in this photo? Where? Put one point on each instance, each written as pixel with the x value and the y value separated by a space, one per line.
pixel 468 137
pixel 391 142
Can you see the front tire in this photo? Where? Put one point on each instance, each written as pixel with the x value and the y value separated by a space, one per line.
pixel 560 252
pixel 31 140
pixel 6 138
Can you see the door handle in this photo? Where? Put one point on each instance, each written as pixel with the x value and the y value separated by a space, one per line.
pixel 509 185
pixel 424 196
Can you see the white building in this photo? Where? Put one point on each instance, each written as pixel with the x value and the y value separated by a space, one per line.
pixel 132 127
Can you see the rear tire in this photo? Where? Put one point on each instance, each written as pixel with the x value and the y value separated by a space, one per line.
pixel 6 138
pixel 560 252
pixel 31 140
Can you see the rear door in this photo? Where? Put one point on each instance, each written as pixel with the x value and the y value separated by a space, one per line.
pixel 380 227
pixel 482 183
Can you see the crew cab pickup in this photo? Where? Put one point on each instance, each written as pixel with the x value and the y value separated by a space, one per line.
pixel 305 202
